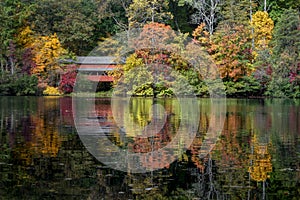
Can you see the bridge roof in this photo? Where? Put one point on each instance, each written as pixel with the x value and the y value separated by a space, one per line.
pixel 94 60
pixel 97 60
pixel 98 69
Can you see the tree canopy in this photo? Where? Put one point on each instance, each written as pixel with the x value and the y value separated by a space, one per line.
pixel 254 43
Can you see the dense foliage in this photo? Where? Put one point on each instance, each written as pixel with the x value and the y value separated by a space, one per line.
pixel 254 43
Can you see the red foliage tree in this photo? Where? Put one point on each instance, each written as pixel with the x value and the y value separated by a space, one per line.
pixel 68 79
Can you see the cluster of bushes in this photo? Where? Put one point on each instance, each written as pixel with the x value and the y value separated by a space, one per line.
pixel 18 84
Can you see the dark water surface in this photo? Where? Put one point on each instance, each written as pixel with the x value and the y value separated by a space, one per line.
pixel 257 155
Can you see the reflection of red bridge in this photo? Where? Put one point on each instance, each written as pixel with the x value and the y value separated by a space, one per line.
pixel 97 68
pixel 102 111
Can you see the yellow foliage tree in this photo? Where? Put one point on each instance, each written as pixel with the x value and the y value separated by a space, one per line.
pixel 25 37
pixel 47 50
pixel 262 26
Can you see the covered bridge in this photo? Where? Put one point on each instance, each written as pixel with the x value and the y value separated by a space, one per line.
pixel 97 67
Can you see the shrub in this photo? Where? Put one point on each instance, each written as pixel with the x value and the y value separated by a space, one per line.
pixel 51 91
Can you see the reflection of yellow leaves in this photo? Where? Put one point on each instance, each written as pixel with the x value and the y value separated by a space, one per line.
pixel 45 141
pixel 48 140
pixel 261 162
pixel 138 116
pixel 25 152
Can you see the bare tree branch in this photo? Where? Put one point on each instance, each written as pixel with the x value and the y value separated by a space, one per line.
pixel 206 12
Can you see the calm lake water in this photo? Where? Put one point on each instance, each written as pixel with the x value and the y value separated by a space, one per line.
pixel 256 155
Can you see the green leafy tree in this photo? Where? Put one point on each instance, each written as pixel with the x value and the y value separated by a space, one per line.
pixel 286 56
pixel 140 12
pixel 236 12
pixel 276 7
pixel 75 22
pixel 26 85
pixel 13 15
pixel 181 15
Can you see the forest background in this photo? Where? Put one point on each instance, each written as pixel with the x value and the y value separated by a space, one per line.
pixel 255 44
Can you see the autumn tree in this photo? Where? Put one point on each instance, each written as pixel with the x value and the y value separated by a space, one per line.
pixel 25 39
pixel 201 36
pixel 262 26
pixel 68 79
pixel 262 30
pixel 151 69
pixel 232 52
pixel 47 50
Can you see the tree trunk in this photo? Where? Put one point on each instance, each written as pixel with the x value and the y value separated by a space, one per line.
pixel 12 66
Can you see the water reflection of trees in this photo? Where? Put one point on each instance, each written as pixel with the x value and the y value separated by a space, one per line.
pixel 61 166
pixel 40 137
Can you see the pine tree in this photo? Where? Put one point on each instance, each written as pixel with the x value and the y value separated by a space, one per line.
pixel 236 12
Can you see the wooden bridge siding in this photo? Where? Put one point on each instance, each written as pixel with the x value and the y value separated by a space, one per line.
pixel 99 78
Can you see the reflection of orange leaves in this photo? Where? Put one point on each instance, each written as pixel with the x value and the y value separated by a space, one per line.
pixel 145 144
pixel 44 140
pixel 155 162
pixel 47 137
pixel 195 151
pixel 229 147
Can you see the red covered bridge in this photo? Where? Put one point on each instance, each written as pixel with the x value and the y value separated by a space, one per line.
pixel 97 67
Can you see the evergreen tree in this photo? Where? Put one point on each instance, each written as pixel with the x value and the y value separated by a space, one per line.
pixel 286 56
pixel 236 12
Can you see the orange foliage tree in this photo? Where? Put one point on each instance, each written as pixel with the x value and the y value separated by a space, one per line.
pixel 231 50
